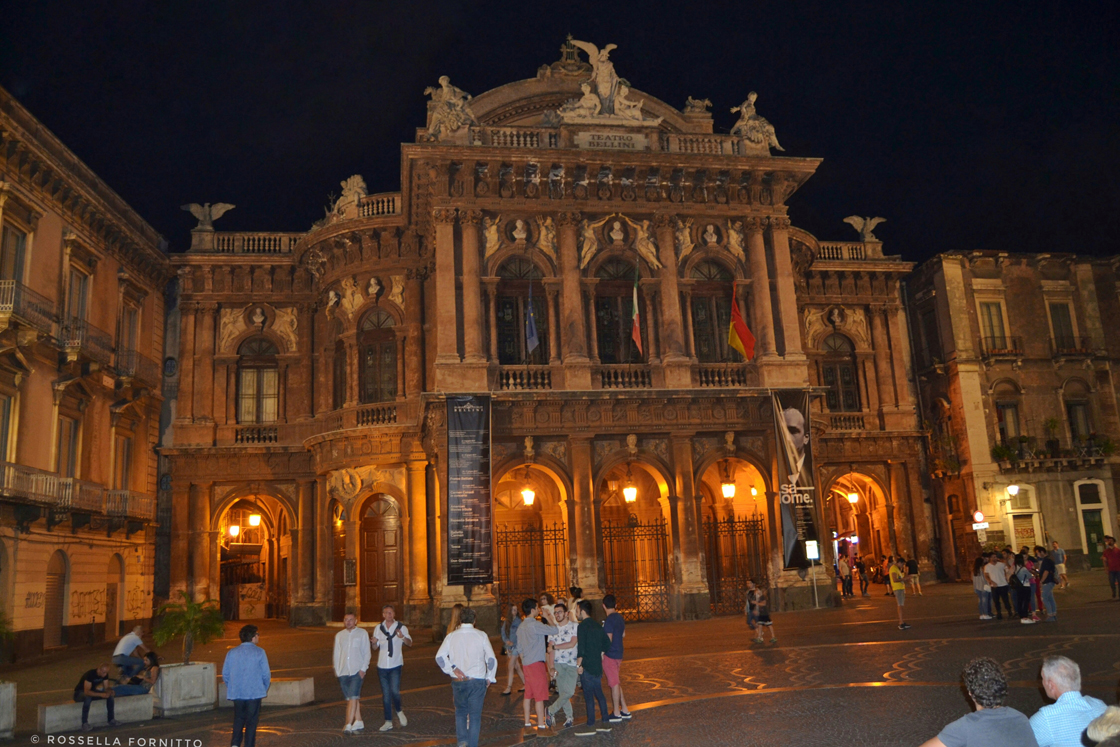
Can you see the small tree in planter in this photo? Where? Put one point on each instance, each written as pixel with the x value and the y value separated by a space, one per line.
pixel 199 622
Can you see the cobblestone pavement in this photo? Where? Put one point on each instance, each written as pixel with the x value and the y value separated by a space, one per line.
pixel 841 675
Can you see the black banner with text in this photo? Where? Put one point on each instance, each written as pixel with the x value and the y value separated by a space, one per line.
pixel 796 492
pixel 470 550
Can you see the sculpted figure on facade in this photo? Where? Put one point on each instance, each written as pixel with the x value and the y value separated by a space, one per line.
pixel 449 110
pixel 546 236
pixel 346 206
pixel 602 72
pixel 645 243
pixel 617 235
pixel 683 235
pixel 374 289
pixel 710 235
pixel 396 293
pixel 520 233
pixel 753 128
pixel 352 297
pixel 207 213
pixel 735 240
pixel 347 482
pixel 626 108
pixel 490 234
pixel 697 106
pixel 604 98
pixel 284 323
pixel 231 325
pixel 586 106
pixel 333 300
pixel 589 242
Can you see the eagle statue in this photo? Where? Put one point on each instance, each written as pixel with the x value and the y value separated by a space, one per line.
pixel 207 213
pixel 864 226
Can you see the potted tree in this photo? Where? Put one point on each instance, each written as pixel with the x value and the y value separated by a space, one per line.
pixel 1053 445
pixel 7 689
pixel 187 687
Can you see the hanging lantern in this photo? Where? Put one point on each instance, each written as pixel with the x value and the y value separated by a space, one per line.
pixel 629 491
pixel 234 530
pixel 254 520
pixel 754 492
pixel 727 486
pixel 528 495
pixel 1013 490
pixel 853 498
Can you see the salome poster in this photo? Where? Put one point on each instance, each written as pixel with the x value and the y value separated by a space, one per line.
pixel 797 494
pixel 470 556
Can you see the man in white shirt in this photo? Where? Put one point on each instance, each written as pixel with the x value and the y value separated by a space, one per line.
pixel 351 661
pixel 467 656
pixel 125 657
pixel 390 638
pixel 1061 724
pixel 564 669
pixel 995 573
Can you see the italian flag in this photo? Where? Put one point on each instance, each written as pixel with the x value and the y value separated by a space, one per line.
pixel 636 330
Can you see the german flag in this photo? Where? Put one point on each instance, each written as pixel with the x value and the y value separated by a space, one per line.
pixel 738 336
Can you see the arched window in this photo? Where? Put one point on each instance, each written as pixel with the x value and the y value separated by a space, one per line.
pixel 521 279
pixel 338 398
pixel 614 313
pixel 838 373
pixel 377 351
pixel 258 382
pixel 711 312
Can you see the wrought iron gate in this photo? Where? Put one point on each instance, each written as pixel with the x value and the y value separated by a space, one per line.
pixel 636 566
pixel 531 560
pixel 736 552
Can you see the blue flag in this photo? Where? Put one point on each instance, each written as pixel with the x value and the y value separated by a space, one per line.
pixel 532 342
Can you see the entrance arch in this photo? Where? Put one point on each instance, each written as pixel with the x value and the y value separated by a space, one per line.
pixel 114 597
pixel 254 544
pixel 531 538
pixel 54 603
pixel 862 526
pixel 381 554
pixel 734 531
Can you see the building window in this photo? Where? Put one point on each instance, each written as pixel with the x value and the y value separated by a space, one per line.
pixel 258 398
pixel 1061 321
pixel 521 280
pixel 130 329
pixel 122 470
pixel 614 314
pixel 13 248
pixel 339 364
pixel 77 295
pixel 1079 425
pixel 377 346
pixel 1007 421
pixel 991 324
pixel 838 373
pixel 711 313
pixel 67 447
pixel 5 425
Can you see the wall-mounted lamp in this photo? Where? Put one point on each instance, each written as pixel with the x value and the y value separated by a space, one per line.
pixel 528 495
pixel 629 490
pixel 254 520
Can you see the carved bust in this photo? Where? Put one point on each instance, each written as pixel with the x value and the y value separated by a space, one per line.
pixel 519 231
pixel 710 235
pixel 617 234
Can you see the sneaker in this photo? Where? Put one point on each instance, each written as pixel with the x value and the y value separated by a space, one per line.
pixel 402 718
pixel 985 617
pixel 588 731
pixel 348 728
pixel 626 715
pixel 1027 621
pixel 387 726
pixel 758 640
pixel 528 726
pixel 603 728
pixel 904 626
pixel 86 727
pixel 614 719
pixel 1051 619
pixel 773 640
pixel 548 720
pixel 568 723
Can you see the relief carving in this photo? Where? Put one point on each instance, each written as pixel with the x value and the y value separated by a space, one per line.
pixel 231 325
pixel 284 323
pixel 348 482
pixel 396 293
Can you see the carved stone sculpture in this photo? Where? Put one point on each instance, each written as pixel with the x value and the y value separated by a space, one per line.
pixel 396 294
pixel 374 289
pixel 449 110
pixel 683 235
pixel 864 226
pixel 710 235
pixel 586 106
pixel 589 242
pixel 735 240
pixel 346 206
pixel 285 323
pixel 352 297
pixel 696 106
pixel 645 243
pixel 207 213
pixel 231 325
pixel 624 107
pixel 753 128
pixel 258 319
pixel 519 231
pixel 617 234
pixel 333 299
pixel 602 72
pixel 347 483
pixel 604 98
pixel 546 236
pixel 632 444
pixel 490 234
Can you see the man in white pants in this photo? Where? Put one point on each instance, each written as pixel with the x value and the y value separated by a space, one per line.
pixel 351 662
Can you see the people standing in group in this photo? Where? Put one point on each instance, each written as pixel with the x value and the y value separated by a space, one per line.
pixel 247 676
pixel 762 605
pixel 591 646
pixel 1062 723
pixel 897 579
pixel 390 638
pixel 563 646
pixel 1112 563
pixel 94 685
pixel 455 621
pixel 532 648
pixel 982 588
pixel 861 568
pixel 468 658
pixel 1047 577
pixel 751 609
pixel 995 573
pixel 1058 555
pixel 127 656
pixel 615 628
pixel 144 680
pixel 351 662
pixel 992 724
pixel 1019 579
pixel 845 572
pixel 509 642
pixel 913 578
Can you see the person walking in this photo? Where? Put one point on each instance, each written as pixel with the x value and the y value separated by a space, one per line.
pixel 1047 577
pixel 563 646
pixel 509 642
pixel 615 628
pixel 981 587
pixel 752 604
pixel 468 658
pixel 897 579
pixel 995 573
pixel 591 646
pixel 531 647
pixel 247 676
pixel 845 572
pixel 864 582
pixel 1058 555
pixel 1112 563
pixel 913 578
pixel 764 622
pixel 127 655
pixel 390 638
pixel 94 686
pixel 351 662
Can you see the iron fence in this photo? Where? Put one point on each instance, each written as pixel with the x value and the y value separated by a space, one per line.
pixel 736 553
pixel 636 568
pixel 531 560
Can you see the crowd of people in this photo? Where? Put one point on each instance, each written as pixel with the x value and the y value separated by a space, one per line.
pixel 1022 584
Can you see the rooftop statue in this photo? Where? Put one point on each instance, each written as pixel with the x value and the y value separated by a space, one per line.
pixel 697 106
pixel 753 128
pixel 604 99
pixel 602 72
pixel 864 226
pixel 449 110
pixel 207 213
pixel 346 206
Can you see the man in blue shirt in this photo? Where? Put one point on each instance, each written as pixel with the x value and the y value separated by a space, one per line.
pixel 1061 724
pixel 247 677
pixel 615 628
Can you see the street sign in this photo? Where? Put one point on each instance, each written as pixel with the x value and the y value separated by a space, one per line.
pixel 980 525
pixel 811 551
pixel 982 536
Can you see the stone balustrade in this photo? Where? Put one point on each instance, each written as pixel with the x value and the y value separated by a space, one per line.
pixel 523 378
pixel 625 376
pixel 721 375
pixel 255 243
pixel 385 203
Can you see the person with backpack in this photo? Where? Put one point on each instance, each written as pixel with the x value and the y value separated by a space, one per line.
pixel 1020 582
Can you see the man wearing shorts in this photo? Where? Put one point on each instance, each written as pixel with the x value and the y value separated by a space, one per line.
pixel 912 576
pixel 390 638
pixel 351 661
pixel 1058 555
pixel 898 586
pixel 532 640
pixel 615 628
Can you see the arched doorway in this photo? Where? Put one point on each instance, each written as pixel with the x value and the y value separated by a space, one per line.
pixel 254 545
pixel 734 500
pixel 54 603
pixel 114 597
pixel 531 536
pixel 857 512
pixel 381 557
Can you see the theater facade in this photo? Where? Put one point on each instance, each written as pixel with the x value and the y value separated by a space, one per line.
pixel 309 451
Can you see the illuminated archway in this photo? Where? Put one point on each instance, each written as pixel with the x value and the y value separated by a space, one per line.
pixel 856 510
pixel 254 556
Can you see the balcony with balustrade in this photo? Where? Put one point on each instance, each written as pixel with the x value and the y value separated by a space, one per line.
pixel 39 494
pixel 79 340
pixel 131 366
pixel 1068 346
pixel 255 242
pixel 1001 346
pixel 20 304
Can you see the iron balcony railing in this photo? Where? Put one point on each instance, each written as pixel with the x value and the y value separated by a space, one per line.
pixel 133 365
pixel 1068 345
pixel 79 335
pixel 79 495
pixel 20 302
pixel 29 484
pixel 1001 345
pixel 129 504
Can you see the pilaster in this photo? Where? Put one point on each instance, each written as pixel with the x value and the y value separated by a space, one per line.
pixel 677 366
pixel 573 332
pixel 787 293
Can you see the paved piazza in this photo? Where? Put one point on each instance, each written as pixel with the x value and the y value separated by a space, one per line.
pixel 844 676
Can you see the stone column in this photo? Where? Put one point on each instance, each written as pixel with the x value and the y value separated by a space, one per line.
pixel 353 365
pixel 787 293
pixel 185 406
pixel 687 550
pixel 900 498
pixel 883 376
pixel 204 363
pixel 899 355
pixel 585 530
pixel 762 317
pixel 413 351
pixel 688 331
pixel 472 293
pixel 181 530
pixel 447 323
pixel 678 368
pixel 589 285
pixel 653 348
pixel 200 536
pixel 418 534
pixel 492 316
pixel 573 333
pixel 324 555
pixel 304 383
pixel 551 293
pixel 306 566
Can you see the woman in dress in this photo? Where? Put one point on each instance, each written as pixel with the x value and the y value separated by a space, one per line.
pixel 510 625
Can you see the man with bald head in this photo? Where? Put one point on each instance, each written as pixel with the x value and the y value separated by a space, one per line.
pixel 1062 723
pixel 799 439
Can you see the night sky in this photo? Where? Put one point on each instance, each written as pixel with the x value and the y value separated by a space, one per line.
pixel 966 127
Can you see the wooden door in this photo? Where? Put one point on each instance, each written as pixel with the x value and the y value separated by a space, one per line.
pixel 381 559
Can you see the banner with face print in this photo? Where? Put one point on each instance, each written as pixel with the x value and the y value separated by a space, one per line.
pixel 797 495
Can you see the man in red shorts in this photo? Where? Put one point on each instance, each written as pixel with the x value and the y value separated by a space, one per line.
pixel 615 628
pixel 532 643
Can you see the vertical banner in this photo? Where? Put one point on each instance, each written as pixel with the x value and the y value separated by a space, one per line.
pixel 470 551
pixel 796 492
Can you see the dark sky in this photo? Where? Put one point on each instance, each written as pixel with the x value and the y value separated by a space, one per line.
pixel 968 126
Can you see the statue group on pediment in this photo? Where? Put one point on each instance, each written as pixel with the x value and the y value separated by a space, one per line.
pixel 449 110
pixel 752 127
pixel 605 98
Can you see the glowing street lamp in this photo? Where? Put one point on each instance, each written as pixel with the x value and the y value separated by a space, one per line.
pixel 234 530
pixel 754 491
pixel 1013 490
pixel 853 498
pixel 528 495
pixel 727 486
pixel 254 520
pixel 630 490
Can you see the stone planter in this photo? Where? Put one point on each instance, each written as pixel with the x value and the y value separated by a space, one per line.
pixel 186 688
pixel 7 709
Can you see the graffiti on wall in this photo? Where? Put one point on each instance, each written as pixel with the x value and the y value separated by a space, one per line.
pixel 251 598
pixel 34 600
pixel 86 603
pixel 136 602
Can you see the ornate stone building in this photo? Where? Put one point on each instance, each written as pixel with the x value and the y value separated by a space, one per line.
pixel 1015 371
pixel 81 336
pixel 309 451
